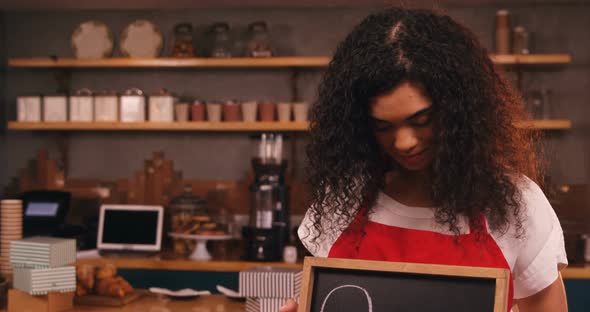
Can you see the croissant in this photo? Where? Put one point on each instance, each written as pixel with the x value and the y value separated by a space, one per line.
pixel 106 272
pixel 109 287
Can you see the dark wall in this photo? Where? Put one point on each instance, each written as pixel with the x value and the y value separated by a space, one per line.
pixel 304 32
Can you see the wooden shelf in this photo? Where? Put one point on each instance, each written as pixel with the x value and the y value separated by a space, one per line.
pixel 531 59
pixel 320 61
pixel 171 62
pixel 160 126
pixel 218 126
pixel 553 124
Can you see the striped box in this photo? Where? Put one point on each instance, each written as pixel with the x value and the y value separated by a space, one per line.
pixel 43 281
pixel 252 305
pixel 42 252
pixel 268 282
pixel 264 304
pixel 270 304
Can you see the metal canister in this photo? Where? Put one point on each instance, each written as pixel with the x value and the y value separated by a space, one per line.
pixel 82 106
pixel 161 107
pixel 132 106
pixel 106 106
pixel 29 108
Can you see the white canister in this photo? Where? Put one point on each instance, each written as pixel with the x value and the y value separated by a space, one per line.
pixel 55 108
pixel 106 107
pixel 161 107
pixel 132 106
pixel 29 108
pixel 82 106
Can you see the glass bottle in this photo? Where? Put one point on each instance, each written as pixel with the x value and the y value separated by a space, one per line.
pixel 259 42
pixel 183 41
pixel 222 44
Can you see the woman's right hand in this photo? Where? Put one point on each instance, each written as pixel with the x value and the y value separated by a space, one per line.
pixel 289 306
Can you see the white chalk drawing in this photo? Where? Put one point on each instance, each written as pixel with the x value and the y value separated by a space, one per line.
pixel 369 300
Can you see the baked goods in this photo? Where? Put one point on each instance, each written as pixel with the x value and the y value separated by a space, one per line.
pixel 102 281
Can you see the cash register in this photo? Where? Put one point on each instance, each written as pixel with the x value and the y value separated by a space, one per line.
pixel 44 212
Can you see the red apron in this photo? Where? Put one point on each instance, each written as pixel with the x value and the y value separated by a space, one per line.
pixel 382 242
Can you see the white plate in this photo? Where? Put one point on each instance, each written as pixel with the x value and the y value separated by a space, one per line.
pixel 232 294
pixel 92 40
pixel 141 39
pixel 187 292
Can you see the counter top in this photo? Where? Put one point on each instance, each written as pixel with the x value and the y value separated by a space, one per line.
pixel 571 272
pixel 213 303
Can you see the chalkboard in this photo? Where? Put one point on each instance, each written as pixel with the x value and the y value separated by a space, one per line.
pixel 345 285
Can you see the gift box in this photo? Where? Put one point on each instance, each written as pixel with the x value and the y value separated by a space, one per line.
pixel 43 281
pixel 268 282
pixel 42 252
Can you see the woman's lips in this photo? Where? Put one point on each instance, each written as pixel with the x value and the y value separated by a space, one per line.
pixel 414 158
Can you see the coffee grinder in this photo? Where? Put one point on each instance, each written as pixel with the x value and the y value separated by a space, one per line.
pixel 268 230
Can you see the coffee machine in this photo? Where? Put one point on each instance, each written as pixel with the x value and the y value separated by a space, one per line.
pixel 268 230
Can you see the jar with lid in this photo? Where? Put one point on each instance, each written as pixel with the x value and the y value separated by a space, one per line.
pixel 183 40
pixel 82 106
pixel 259 41
pixel 222 45
pixel 187 214
pixel 106 106
pixel 132 106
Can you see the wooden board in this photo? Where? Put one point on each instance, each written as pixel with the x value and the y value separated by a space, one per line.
pixel 96 300
pixel 338 283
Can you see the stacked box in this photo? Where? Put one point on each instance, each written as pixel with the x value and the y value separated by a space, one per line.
pixel 267 288
pixel 43 281
pixel 41 265
pixel 42 252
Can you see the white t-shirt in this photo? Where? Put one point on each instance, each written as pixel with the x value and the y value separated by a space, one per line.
pixel 534 258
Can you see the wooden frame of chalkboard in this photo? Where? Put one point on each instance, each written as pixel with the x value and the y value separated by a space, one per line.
pixel 486 289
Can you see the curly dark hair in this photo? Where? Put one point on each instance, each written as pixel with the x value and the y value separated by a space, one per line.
pixel 481 155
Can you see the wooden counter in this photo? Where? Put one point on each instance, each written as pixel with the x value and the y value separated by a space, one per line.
pixel 213 303
pixel 571 272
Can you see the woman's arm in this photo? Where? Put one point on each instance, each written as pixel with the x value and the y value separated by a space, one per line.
pixel 551 299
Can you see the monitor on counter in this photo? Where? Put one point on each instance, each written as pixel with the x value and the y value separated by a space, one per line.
pixel 130 228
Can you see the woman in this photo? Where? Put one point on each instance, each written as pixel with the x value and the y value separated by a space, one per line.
pixel 414 157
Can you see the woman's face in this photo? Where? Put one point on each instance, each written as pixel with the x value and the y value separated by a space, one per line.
pixel 404 127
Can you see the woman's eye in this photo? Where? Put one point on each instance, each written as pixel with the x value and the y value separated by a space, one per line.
pixel 421 121
pixel 383 127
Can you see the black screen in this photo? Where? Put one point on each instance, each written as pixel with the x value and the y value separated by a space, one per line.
pixel 130 227
pixel 348 291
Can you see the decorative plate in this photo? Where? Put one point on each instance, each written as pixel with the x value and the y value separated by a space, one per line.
pixel 92 40
pixel 141 39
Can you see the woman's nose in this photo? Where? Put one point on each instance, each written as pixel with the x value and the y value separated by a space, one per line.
pixel 405 139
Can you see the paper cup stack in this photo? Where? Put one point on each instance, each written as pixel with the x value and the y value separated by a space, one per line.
pixel 11 228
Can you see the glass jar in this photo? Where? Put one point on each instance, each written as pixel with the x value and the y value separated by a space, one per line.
pixel 183 41
pixel 218 203
pixel 222 44
pixel 186 214
pixel 259 42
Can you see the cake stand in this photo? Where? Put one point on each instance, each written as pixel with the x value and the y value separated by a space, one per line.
pixel 201 253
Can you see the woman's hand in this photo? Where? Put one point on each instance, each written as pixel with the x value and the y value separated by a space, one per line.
pixel 289 306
